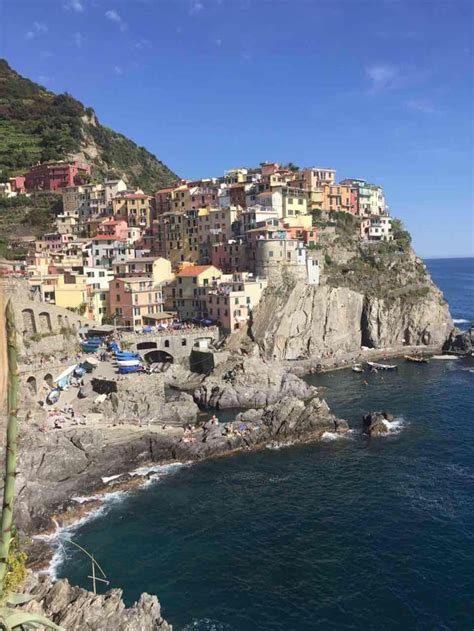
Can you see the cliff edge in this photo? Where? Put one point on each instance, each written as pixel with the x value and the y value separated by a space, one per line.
pixel 374 295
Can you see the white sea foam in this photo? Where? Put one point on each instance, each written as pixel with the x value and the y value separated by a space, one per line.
pixel 159 470
pixel 280 445
pixel 460 321
pixel 395 426
pixel 330 436
pixel 108 479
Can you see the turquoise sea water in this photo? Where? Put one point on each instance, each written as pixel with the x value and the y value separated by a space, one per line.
pixel 348 533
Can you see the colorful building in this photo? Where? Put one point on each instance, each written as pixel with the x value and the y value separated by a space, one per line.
pixel 133 207
pixel 55 176
pixel 231 302
pixel 188 290
pixel 132 299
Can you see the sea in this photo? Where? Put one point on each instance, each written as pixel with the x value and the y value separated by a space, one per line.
pixel 348 533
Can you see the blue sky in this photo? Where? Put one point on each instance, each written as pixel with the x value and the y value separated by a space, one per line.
pixel 376 89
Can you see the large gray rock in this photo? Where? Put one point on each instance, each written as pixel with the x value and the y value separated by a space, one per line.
pixel 76 608
pixel 375 423
pixel 461 342
pixel 250 382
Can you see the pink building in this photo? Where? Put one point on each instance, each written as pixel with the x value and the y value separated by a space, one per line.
pixel 53 241
pixel 132 299
pixel 17 184
pixel 54 176
pixel 117 228
pixel 230 257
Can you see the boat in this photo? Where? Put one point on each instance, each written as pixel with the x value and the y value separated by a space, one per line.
pixel 53 396
pixel 125 370
pixel 357 368
pixel 121 356
pixel 445 357
pixel 129 362
pixel 417 360
pixel 378 366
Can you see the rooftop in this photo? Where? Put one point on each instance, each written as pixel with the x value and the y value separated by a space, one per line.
pixel 193 270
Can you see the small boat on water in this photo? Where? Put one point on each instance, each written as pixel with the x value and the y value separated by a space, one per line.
pixel 417 359
pixel 378 366
pixel 445 357
pixel 357 368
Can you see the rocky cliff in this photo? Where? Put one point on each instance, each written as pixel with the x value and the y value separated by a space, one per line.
pixel 76 608
pixel 377 296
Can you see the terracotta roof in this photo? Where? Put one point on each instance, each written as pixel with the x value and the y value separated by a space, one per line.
pixel 108 237
pixel 193 270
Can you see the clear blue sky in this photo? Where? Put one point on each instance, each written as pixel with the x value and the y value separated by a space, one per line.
pixel 378 89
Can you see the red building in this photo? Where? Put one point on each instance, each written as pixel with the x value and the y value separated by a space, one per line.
pixel 54 176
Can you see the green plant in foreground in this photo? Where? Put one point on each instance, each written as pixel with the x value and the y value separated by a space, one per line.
pixel 12 618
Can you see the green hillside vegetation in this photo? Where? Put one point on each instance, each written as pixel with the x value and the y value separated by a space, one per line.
pixel 24 216
pixel 37 125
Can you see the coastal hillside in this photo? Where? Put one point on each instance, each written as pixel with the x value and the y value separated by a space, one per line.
pixel 37 125
pixel 377 295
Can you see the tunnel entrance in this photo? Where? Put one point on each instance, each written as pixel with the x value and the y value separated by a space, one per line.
pixel 143 345
pixel 159 357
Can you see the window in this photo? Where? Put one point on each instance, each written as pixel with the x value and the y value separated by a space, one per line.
pixel 183 342
pixel 118 297
pixel 136 311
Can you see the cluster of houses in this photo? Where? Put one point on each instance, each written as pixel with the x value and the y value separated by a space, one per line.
pixel 199 251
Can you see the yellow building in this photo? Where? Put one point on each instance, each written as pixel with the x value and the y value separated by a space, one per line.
pixel 71 291
pixel 189 290
pixel 135 208
pixel 178 237
pixel 180 198
pixel 64 290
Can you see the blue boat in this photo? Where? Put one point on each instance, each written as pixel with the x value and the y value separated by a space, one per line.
pixel 127 356
pixel 125 370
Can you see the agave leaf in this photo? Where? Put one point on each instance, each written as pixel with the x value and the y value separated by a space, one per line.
pixel 19 599
pixel 15 619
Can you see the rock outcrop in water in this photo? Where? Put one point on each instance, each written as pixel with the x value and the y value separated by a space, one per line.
pixel 461 342
pixel 76 608
pixel 376 423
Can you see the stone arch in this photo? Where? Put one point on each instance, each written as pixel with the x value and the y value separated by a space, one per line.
pixel 31 382
pixel 44 321
pixel 48 378
pixel 29 322
pixel 159 357
pixel 143 345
